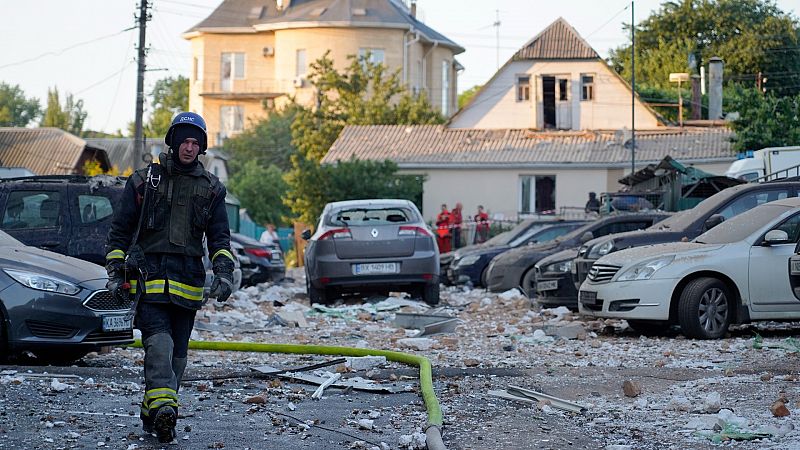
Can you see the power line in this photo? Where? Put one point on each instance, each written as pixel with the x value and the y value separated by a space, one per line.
pixel 58 52
pixel 104 79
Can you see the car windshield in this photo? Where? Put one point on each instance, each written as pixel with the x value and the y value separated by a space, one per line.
pixel 542 234
pixel 743 225
pixel 8 241
pixel 353 217
pixel 500 239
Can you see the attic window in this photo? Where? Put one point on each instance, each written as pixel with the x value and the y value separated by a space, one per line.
pixel 318 11
pixel 359 11
pixel 257 12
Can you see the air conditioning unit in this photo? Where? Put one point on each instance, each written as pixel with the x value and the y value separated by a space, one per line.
pixel 268 51
pixel 299 82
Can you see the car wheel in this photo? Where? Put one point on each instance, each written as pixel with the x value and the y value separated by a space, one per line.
pixel 430 294
pixel 649 327
pixel 704 309
pixel 528 283
pixel 315 295
pixel 4 355
pixel 484 275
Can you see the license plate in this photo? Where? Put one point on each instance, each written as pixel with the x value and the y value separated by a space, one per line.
pixel 375 268
pixel 588 297
pixel 117 323
pixel 548 285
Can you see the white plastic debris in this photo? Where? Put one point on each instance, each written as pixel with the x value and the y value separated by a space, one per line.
pixel 511 294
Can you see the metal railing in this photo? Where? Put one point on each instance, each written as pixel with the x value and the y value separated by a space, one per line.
pixel 246 86
pixel 793 171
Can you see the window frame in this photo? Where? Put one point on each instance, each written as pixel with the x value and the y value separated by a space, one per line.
pixel 300 70
pixel 590 85
pixel 523 91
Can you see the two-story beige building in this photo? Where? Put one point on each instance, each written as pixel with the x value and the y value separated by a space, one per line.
pixel 555 81
pixel 251 55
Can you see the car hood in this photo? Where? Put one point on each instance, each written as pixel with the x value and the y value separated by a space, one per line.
pixel 49 263
pixel 563 255
pixel 643 237
pixel 636 254
pixel 526 255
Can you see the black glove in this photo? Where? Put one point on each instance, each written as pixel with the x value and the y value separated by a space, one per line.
pixel 222 284
pixel 116 274
pixel 221 287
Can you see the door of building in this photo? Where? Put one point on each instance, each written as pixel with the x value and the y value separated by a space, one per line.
pixel 549 101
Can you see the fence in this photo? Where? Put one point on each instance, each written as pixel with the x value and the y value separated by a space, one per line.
pixel 254 230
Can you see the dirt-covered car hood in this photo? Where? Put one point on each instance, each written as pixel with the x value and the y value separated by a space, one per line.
pixel 49 263
pixel 636 254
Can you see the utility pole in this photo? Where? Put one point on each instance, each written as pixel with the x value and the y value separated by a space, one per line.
pixel 138 142
pixel 496 26
pixel 633 94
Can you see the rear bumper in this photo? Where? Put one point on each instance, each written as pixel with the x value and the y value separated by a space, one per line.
pixel 422 267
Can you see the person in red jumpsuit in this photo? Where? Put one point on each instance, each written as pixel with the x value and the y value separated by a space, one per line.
pixel 443 230
pixel 481 226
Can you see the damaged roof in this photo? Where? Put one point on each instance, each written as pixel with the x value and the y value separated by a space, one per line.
pixel 432 146
pixel 262 15
pixel 47 151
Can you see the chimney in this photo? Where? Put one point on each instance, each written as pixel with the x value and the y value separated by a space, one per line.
pixel 414 9
pixel 696 103
pixel 715 88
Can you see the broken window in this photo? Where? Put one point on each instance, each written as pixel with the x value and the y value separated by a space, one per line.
pixel 587 87
pixel 562 89
pixel 523 88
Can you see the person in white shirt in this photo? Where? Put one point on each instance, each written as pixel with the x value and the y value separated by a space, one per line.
pixel 269 236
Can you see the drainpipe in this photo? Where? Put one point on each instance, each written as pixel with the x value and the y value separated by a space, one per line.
pixel 406 45
pixel 425 68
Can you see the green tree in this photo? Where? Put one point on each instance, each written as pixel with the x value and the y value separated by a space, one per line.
pixel 261 190
pixel 69 117
pixel 752 36
pixel 363 94
pixel 764 120
pixel 15 109
pixel 168 97
pixel 466 96
pixel 267 142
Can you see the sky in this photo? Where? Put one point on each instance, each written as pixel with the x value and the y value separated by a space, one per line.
pixel 88 47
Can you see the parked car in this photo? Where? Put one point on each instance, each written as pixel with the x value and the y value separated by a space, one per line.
pixel 56 306
pixel 446 259
pixel 553 280
pixel 265 262
pixel 515 268
pixel 470 266
pixel 686 224
pixel 736 272
pixel 67 214
pixel 363 246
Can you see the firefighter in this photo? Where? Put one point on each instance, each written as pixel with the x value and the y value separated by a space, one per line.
pixel 443 229
pixel 155 245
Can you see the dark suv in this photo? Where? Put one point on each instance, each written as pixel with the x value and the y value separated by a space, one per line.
pixel 69 214
pixel 685 225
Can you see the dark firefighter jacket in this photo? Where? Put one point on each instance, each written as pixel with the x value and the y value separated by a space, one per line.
pixel 180 208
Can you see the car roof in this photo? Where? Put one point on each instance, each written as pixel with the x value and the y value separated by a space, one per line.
pixel 105 180
pixel 369 202
pixel 791 202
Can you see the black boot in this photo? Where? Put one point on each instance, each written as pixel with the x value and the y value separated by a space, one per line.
pixel 147 424
pixel 164 422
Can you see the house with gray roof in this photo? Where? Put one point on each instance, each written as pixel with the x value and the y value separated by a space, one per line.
pixel 552 125
pixel 48 151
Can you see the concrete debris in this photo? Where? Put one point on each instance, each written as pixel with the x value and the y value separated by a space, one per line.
pixel 414 441
pixel 511 294
pixel 570 330
pixel 294 318
pixel 679 404
pixel 420 344
pixel 366 424
pixel 364 362
pixel 631 388
pixel 712 402
pixel 58 386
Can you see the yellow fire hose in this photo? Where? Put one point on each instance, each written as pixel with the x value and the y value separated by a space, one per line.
pixel 433 430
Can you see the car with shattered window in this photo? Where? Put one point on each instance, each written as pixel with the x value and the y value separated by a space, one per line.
pixel 737 272
pixel 685 225
pixel 56 306
pixel 470 266
pixel 371 246
pixel 515 268
pixel 66 214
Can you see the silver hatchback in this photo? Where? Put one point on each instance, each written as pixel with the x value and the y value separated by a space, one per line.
pixel 371 246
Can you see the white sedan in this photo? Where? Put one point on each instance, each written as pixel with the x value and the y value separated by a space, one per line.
pixel 736 272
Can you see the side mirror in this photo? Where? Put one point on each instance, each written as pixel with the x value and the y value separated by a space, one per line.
pixel 713 221
pixel 588 236
pixel 776 237
pixel 306 234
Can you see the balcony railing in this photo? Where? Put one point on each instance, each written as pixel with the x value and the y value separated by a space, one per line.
pixel 246 87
